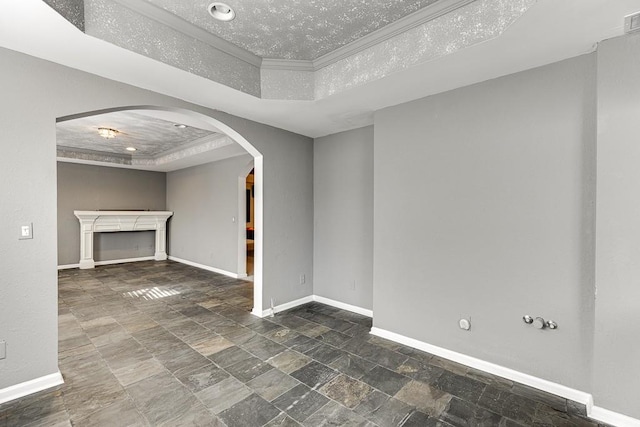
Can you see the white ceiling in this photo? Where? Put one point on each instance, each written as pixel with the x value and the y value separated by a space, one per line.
pixel 150 136
pixel 549 31
pixel 294 29
pixel 160 144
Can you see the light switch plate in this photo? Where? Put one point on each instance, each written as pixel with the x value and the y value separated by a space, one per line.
pixel 3 350
pixel 26 231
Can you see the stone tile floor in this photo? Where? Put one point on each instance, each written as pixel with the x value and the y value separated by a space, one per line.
pixel 164 344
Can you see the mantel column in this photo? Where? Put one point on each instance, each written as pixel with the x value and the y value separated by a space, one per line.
pixel 86 242
pixel 161 240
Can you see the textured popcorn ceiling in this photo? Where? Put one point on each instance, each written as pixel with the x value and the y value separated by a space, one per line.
pixel 475 23
pixel 149 135
pixel 295 29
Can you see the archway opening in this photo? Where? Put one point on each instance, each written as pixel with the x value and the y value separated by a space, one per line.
pixel 192 119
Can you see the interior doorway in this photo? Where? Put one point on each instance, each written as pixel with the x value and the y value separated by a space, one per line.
pixel 250 225
pixel 193 120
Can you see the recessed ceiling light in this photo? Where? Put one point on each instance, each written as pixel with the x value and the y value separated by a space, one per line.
pixel 131 148
pixel 108 132
pixel 221 11
pixel 180 125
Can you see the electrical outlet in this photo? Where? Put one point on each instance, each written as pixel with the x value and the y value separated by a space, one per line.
pixel 26 231
pixel 303 279
pixel 353 285
pixel 3 350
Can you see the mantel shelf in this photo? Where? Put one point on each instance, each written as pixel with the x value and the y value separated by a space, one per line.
pixel 114 221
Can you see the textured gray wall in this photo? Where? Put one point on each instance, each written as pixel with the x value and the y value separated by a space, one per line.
pixel 87 187
pixel 34 94
pixel 617 349
pixel 343 217
pixel 204 200
pixel 483 202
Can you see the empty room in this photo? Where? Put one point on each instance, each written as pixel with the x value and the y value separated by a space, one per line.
pixel 250 213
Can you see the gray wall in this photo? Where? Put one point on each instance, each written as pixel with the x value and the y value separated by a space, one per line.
pixel 483 208
pixel 343 217
pixel 34 94
pixel 87 187
pixel 204 199
pixel 617 335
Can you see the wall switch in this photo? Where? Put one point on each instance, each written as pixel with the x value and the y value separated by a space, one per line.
pixel 303 279
pixel 26 231
pixel 353 285
pixel 3 350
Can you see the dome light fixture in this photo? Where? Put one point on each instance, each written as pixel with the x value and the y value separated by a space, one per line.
pixel 221 12
pixel 108 132
pixel 131 149
pixel 180 125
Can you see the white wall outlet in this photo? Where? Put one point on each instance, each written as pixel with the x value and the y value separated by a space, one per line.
pixel 26 231
pixel 303 279
pixel 3 350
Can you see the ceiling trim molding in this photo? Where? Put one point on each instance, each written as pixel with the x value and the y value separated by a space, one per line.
pixel 175 22
pixel 400 26
pixel 287 64
pixel 420 17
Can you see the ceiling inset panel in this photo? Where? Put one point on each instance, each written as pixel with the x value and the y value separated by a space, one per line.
pixel 150 136
pixel 295 29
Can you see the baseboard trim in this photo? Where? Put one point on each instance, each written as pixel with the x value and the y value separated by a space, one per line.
pixel 110 262
pixel 343 306
pixel 522 378
pixel 29 387
pixel 613 418
pixel 208 268
pixel 311 298
pixel 594 412
pixel 283 307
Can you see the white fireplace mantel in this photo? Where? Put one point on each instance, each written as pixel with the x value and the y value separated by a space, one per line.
pixel 111 221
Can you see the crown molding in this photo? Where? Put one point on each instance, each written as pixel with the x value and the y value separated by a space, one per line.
pixel 287 64
pixel 422 16
pixel 175 22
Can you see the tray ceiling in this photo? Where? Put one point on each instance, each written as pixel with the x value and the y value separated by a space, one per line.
pixel 159 143
pixel 295 29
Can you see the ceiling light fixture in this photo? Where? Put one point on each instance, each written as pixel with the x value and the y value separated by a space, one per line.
pixel 131 149
pixel 180 125
pixel 108 132
pixel 221 12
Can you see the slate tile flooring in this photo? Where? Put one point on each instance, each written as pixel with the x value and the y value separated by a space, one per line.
pixel 164 344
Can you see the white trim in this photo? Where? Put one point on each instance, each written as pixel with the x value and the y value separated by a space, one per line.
pixel 172 21
pixel 283 307
pixel 311 298
pixel 343 306
pixel 613 418
pixel 109 262
pixel 208 268
pixel 400 26
pixel 287 64
pixel 522 378
pixel 29 387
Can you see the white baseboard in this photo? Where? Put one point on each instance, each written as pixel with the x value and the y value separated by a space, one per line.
pixel 316 298
pixel 283 307
pixel 612 418
pixel 28 387
pixel 110 262
pixel 208 268
pixel 343 306
pixel 595 412
pixel 522 378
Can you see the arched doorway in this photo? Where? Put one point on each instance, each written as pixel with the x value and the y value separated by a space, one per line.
pixel 202 121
